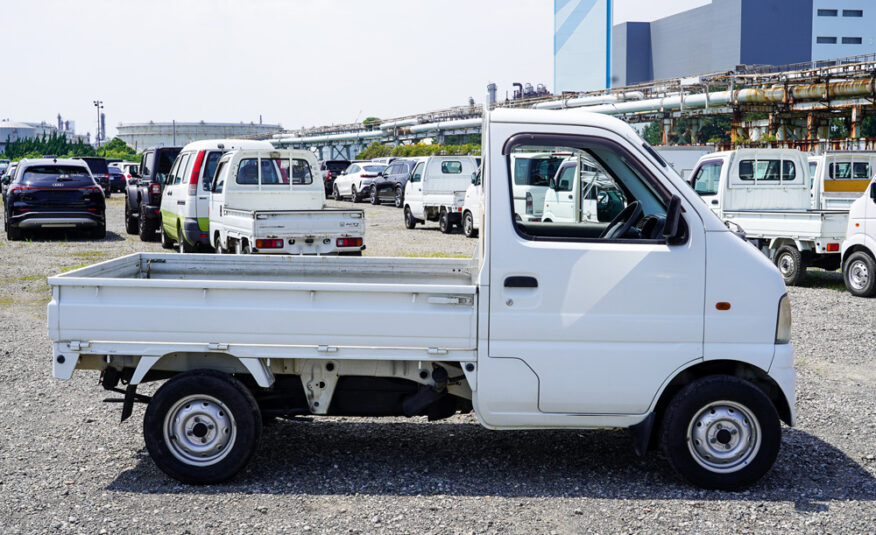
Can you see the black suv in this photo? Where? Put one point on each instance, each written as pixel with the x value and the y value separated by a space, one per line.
pixel 143 192
pixel 99 171
pixel 390 184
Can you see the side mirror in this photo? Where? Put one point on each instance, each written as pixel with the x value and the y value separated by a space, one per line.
pixel 672 228
pixel 552 184
pixel 873 191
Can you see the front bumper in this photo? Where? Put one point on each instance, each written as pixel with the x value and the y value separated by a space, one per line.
pixel 782 371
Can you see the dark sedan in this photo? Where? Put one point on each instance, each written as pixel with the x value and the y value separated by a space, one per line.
pixel 117 180
pixel 54 194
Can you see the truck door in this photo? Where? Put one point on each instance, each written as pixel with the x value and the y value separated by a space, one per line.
pixel 601 312
pixel 414 190
pixel 705 181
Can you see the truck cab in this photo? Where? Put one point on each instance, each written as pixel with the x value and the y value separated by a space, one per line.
pixel 839 178
pixel 859 247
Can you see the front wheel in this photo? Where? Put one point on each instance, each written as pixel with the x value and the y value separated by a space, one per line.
pixel 202 427
pixel 336 195
pixel 410 222
pixel 791 265
pixel 399 199
pixel 721 432
pixel 219 246
pixel 373 196
pixel 859 274
pixel 468 226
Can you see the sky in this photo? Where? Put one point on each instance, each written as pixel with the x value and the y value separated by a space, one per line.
pixel 294 62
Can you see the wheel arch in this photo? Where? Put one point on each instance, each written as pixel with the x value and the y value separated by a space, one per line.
pixel 146 368
pixel 734 368
pixel 858 247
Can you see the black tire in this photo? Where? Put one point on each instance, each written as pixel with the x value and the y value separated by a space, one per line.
pixel 859 274
pixel 354 195
pixel 197 400
pixel 410 222
pixel 714 413
pixel 99 233
pixel 166 242
pixel 336 195
pixel 791 265
pixel 444 223
pixel 242 247
pixel 182 245
pixel 399 199
pixel 131 225
pixel 374 196
pixel 468 225
pixel 146 228
pixel 13 233
pixel 218 246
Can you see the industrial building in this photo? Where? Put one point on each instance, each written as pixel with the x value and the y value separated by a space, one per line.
pixel 152 134
pixel 12 131
pixel 726 33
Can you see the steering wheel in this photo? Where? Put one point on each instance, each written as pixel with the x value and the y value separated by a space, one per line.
pixel 620 225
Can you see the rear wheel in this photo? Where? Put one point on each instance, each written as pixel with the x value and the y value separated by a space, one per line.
pixel 354 196
pixel 146 227
pixel 336 195
pixel 13 233
pixel 166 242
pixel 444 223
pixel 859 274
pixel 399 197
pixel 468 225
pixel 219 245
pixel 373 196
pixel 183 245
pixel 410 222
pixel 202 427
pixel 242 247
pixel 130 220
pixel 721 432
pixel 791 265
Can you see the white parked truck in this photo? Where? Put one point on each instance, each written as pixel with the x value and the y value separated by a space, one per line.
pixel 859 248
pixel 766 192
pixel 473 206
pixel 273 202
pixel 436 191
pixel 661 321
pixel 839 178
pixel 579 193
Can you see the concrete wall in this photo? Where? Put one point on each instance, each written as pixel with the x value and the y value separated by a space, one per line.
pixel 697 41
pixel 776 32
pixel 843 26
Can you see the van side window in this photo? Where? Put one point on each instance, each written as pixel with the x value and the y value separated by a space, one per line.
pixel 582 188
pixel 180 169
pixel 210 163
pixel 301 173
pixel 705 181
pixel 147 163
pixel 221 171
pixel 451 167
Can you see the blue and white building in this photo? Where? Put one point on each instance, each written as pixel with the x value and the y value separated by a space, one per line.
pixel 582 41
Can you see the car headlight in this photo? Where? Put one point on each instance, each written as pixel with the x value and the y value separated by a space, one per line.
pixel 783 323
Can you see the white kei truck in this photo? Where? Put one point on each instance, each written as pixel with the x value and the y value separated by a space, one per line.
pixel 436 191
pixel 859 248
pixel 661 321
pixel 473 206
pixel 767 193
pixel 840 177
pixel 273 202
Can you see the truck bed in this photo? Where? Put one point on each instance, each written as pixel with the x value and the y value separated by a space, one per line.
pixel 798 224
pixel 294 223
pixel 404 308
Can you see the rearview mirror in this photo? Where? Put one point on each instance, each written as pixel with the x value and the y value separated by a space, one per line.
pixel 672 230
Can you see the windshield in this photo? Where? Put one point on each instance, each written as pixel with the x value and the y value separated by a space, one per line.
pixel 374 168
pixel 97 165
pixel 536 170
pixel 705 181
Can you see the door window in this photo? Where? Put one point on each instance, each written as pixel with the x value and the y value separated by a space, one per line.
pixel 705 181
pixel 630 203
pixel 147 164
pixel 221 173
pixel 417 174
pixel 178 170
pixel 210 164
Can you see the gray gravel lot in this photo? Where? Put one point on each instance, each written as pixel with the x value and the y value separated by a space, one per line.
pixel 67 466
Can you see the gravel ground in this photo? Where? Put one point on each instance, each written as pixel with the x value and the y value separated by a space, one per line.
pixel 67 466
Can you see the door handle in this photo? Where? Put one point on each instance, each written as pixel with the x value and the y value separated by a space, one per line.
pixel 570 196
pixel 715 202
pixel 169 193
pixel 519 281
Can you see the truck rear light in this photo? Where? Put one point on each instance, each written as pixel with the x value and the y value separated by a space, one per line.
pixel 832 247
pixel 155 189
pixel 783 322
pixel 529 203
pixel 196 172
pixel 349 242
pixel 269 244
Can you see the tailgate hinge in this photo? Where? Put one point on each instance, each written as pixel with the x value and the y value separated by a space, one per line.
pixel 436 351
pixel 217 347
pixel 449 300
pixel 76 345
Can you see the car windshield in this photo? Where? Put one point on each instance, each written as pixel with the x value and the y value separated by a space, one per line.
pixel 336 167
pixel 47 175
pixel 97 165
pixel 374 168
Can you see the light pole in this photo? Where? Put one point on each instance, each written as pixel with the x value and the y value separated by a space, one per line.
pixel 99 105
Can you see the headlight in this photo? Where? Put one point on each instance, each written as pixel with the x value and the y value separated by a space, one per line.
pixel 783 324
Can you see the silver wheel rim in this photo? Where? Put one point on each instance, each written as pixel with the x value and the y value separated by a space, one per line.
pixel 468 224
pixel 199 430
pixel 787 264
pixel 724 437
pixel 859 275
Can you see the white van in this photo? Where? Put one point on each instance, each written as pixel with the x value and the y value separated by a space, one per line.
pixel 185 198
pixel 859 248
pixel 532 173
pixel 472 206
pixel 436 191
